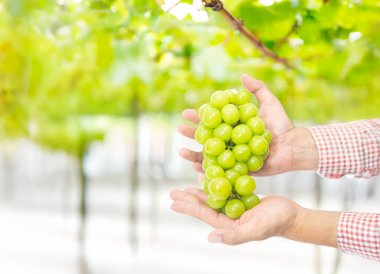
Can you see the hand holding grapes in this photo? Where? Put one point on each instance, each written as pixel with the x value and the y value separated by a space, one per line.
pixel 274 216
pixel 291 148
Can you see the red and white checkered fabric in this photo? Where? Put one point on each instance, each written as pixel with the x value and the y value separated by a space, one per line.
pixel 352 148
pixel 348 148
pixel 359 234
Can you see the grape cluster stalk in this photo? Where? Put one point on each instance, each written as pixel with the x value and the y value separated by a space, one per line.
pixel 235 142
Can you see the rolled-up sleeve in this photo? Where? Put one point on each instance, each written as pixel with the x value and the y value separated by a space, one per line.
pixel 348 148
pixel 359 234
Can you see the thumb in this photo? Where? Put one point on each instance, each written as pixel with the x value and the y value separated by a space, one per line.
pixel 229 236
pixel 259 89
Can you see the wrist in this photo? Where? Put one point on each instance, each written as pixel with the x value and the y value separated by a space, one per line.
pixel 291 228
pixel 313 226
pixel 304 152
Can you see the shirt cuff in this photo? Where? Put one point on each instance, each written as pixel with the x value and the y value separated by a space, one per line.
pixel 348 148
pixel 359 234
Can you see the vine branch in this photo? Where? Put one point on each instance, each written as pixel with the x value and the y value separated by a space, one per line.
pixel 218 6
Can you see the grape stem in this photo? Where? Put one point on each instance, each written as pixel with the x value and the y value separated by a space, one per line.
pixel 217 5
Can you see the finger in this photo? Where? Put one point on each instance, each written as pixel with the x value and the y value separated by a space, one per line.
pixel 201 177
pixel 259 89
pixel 202 213
pixel 186 130
pixel 198 167
pixel 229 236
pixel 179 195
pixel 200 194
pixel 191 115
pixel 191 155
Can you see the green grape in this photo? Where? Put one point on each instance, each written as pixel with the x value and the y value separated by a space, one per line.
pixel 220 188
pixel 206 181
pixel 258 145
pixel 245 185
pixel 241 152
pixel 240 168
pixel 247 111
pixel 219 99
pixel 250 201
pixel 202 110
pixel 256 125
pixel 232 96
pixel 267 135
pixel 230 114
pixel 215 203
pixel 234 208
pixel 202 134
pixel 243 97
pixel 214 146
pixel 214 171
pixel 255 163
pixel 231 175
pixel 209 160
pixel 265 155
pixel 211 117
pixel 223 132
pixel 235 142
pixel 241 134
pixel 226 159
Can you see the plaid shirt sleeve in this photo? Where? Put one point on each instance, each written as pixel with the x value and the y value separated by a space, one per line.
pixel 359 234
pixel 352 148
pixel 348 148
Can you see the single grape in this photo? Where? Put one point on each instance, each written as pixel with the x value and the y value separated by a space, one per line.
pixel 202 109
pixel 226 159
pixel 209 160
pixel 243 97
pixel 211 117
pixel 265 155
pixel 206 181
pixel 223 132
pixel 214 171
pixel 247 111
pixel 219 99
pixel 214 146
pixel 255 163
pixel 250 201
pixel 215 203
pixel 245 185
pixel 267 135
pixel 231 175
pixel 241 152
pixel 234 208
pixel 230 114
pixel 257 126
pixel 202 134
pixel 232 96
pixel 258 145
pixel 240 168
pixel 241 134
pixel 220 188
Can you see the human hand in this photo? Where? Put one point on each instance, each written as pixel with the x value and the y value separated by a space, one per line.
pixel 274 216
pixel 291 148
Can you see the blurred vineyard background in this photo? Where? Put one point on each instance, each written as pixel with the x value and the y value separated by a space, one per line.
pixel 90 96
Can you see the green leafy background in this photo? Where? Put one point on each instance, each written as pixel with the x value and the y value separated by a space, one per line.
pixel 66 64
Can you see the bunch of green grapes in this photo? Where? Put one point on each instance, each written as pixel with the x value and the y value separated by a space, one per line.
pixel 235 142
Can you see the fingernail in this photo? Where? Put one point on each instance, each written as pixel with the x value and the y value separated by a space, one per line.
pixel 215 239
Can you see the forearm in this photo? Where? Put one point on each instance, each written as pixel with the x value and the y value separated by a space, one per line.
pixel 314 226
pixel 336 150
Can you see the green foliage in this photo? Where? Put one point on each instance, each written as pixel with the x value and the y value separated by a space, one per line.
pixel 64 60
